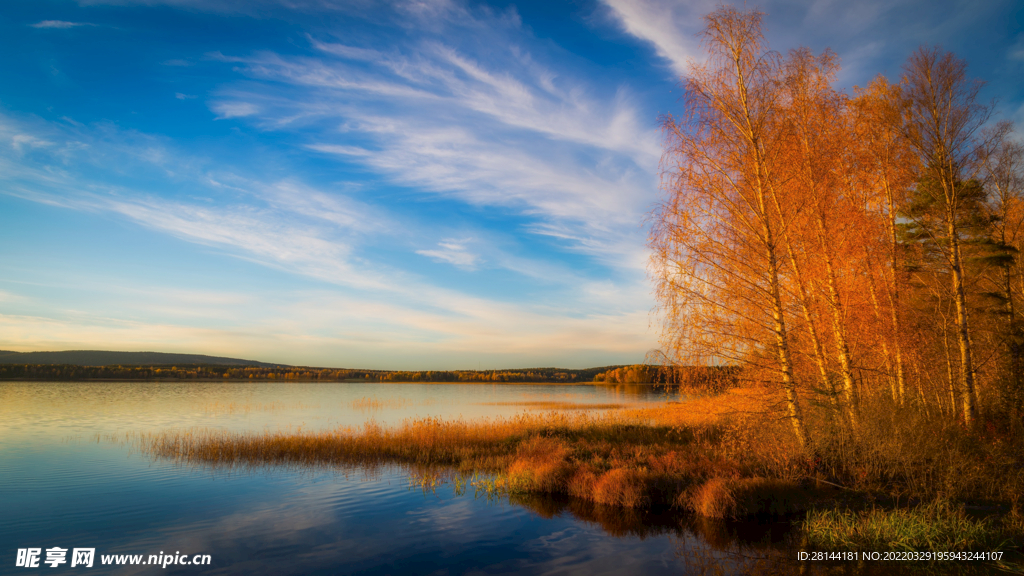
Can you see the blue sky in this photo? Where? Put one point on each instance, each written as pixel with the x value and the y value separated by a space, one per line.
pixel 423 184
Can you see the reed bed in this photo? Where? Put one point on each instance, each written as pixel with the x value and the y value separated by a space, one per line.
pixel 735 406
pixel 612 458
pixel 726 456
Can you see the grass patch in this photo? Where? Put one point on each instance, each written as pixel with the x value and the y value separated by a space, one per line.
pixel 734 498
pixel 612 459
pixel 937 526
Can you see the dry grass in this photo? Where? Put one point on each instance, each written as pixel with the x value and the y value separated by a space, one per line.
pixel 913 454
pixel 737 406
pixel 724 456
pixel 612 459
pixel 742 497
pixel 909 453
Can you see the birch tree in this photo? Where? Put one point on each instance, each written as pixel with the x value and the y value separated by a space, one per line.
pixel 889 169
pixel 943 125
pixel 716 237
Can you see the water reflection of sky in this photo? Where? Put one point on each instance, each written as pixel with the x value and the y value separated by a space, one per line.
pixel 64 482
pixel 40 409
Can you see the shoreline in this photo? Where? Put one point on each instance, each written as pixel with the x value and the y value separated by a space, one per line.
pixel 383 383
pixel 699 457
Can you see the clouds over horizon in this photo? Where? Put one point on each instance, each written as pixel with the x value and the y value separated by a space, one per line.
pixel 512 133
pixel 433 179
pixel 292 227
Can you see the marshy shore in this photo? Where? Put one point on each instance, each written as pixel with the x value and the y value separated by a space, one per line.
pixel 912 483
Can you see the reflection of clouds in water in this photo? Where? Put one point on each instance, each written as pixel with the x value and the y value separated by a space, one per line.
pixel 275 520
pixel 304 524
pixel 454 516
pixel 583 549
pixel 246 406
pixel 333 525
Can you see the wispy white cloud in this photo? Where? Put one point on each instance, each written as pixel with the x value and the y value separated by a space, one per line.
pixel 310 327
pixel 668 26
pixel 267 220
pixel 453 252
pixel 20 141
pixel 299 229
pixel 870 36
pixel 6 296
pixel 1016 52
pixel 59 24
pixel 225 110
pixel 340 149
pixel 464 108
pixel 595 209
pixel 511 133
pixel 518 92
pixel 368 329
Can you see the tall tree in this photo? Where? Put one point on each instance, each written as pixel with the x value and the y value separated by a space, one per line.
pixel 818 157
pixel 1003 162
pixel 716 238
pixel 889 168
pixel 943 124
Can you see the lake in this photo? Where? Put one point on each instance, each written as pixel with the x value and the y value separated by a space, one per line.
pixel 67 481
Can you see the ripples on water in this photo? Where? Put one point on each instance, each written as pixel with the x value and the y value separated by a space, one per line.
pixel 62 484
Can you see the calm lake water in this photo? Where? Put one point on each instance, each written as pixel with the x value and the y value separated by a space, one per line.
pixel 64 483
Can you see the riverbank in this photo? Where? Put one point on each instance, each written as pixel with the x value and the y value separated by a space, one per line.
pixel 901 484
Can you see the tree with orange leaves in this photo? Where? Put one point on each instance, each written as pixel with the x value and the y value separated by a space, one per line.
pixel 716 238
pixel 888 170
pixel 827 207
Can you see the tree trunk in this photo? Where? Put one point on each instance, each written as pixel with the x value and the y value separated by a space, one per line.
pixel 819 352
pixel 782 343
pixel 967 391
pixel 894 291
pixel 839 328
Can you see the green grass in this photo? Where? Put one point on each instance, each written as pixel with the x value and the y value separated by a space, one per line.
pixel 937 526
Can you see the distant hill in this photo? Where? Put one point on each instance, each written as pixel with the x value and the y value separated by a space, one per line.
pixel 108 358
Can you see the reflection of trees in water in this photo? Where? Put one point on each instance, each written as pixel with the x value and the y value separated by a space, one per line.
pixel 614 520
pixel 639 391
pixel 705 378
pixel 704 546
pixel 712 547
pixel 650 382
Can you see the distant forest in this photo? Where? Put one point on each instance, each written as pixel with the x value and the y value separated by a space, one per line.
pixel 118 358
pixel 697 377
pixel 66 372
